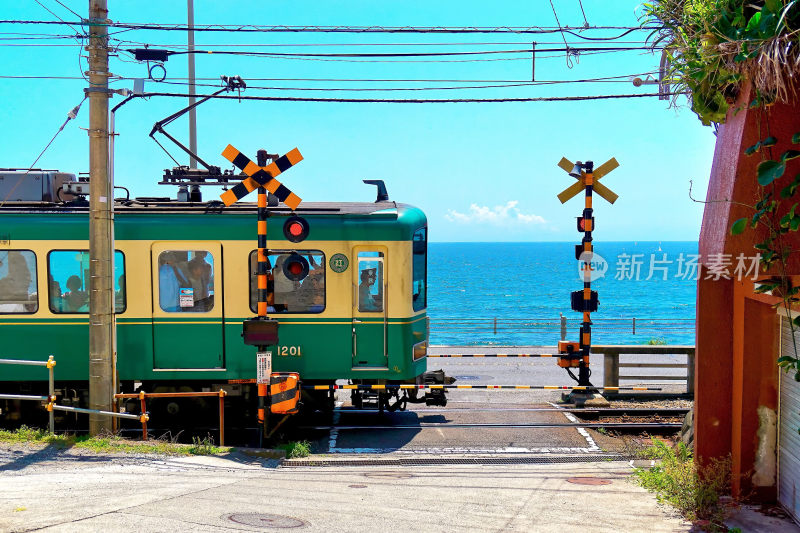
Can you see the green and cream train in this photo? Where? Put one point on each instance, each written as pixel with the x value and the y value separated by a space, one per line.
pixel 185 282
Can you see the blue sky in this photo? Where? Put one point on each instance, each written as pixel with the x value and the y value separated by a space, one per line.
pixel 480 171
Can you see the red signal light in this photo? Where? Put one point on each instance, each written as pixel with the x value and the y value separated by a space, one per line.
pixel 295 229
pixel 295 267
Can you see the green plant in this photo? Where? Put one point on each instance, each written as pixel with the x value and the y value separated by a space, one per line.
pixel 110 443
pixel 656 341
pixel 771 214
pixel 694 490
pixel 296 449
pixel 713 46
pixel 204 446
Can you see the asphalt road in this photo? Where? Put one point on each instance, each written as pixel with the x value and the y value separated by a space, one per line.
pixel 63 491
pixel 474 406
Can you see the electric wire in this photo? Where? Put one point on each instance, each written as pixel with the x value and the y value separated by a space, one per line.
pixel 405 100
pixel 569 61
pixel 580 3
pixel 567 49
pixel 68 9
pixel 289 45
pixel 71 115
pixel 249 28
pixel 56 16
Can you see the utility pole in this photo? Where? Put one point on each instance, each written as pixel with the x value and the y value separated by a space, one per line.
pixel 192 112
pixel 101 225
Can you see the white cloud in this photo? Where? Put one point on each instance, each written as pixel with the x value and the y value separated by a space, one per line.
pixel 499 215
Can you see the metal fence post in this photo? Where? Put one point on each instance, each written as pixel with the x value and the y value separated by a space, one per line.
pixel 563 326
pixel 495 325
pixel 222 394
pixel 142 398
pixel 51 392
pixel 690 373
pixel 611 370
pixel 634 325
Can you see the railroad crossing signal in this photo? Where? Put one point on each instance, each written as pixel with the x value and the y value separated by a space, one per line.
pixel 261 176
pixel 576 354
pixel 599 188
pixel 260 331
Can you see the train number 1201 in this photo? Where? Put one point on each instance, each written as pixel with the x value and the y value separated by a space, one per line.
pixel 286 351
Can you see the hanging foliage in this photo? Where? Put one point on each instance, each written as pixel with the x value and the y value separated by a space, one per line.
pixel 714 46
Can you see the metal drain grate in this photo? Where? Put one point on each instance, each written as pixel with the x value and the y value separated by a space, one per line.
pixel 425 461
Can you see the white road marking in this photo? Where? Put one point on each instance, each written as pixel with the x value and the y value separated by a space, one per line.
pixel 447 451
pixel 585 434
pixel 334 435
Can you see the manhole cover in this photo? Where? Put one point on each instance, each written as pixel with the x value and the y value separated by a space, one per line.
pixel 357 486
pixel 388 475
pixel 589 481
pixel 265 520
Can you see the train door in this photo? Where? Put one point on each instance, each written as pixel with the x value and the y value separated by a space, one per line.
pixel 369 308
pixel 187 305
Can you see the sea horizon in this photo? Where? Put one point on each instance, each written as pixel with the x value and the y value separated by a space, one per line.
pixel 473 284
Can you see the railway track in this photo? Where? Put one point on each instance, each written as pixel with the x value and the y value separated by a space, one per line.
pixel 618 419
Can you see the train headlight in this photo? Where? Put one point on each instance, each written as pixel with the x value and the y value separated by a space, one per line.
pixel 295 229
pixel 295 267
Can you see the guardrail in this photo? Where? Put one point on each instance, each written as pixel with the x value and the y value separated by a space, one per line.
pixel 442 328
pixel 142 396
pixel 50 398
pixel 51 404
pixel 612 364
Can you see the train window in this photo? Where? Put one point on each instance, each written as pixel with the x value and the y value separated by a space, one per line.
pixel 289 296
pixel 68 275
pixel 186 281
pixel 419 279
pixel 18 292
pixel 370 282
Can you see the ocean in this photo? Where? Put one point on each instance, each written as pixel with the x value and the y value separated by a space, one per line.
pixel 514 293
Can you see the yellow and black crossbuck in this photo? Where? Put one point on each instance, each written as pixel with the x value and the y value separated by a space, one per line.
pixel 261 177
pixel 601 190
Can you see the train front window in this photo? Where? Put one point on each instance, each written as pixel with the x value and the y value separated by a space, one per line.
pixel 18 292
pixel 287 295
pixel 68 275
pixel 186 281
pixel 370 282
pixel 419 277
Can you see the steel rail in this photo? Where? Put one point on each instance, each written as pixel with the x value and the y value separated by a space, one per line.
pixel 505 387
pixel 633 425
pixel 606 411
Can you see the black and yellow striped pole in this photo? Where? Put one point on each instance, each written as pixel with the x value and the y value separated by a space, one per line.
pixel 587 224
pixel 576 355
pixel 261 290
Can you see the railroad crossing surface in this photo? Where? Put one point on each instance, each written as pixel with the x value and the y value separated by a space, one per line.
pixel 475 421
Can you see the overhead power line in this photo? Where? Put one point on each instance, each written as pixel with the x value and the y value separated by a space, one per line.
pixel 406 100
pixel 399 54
pixel 249 28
